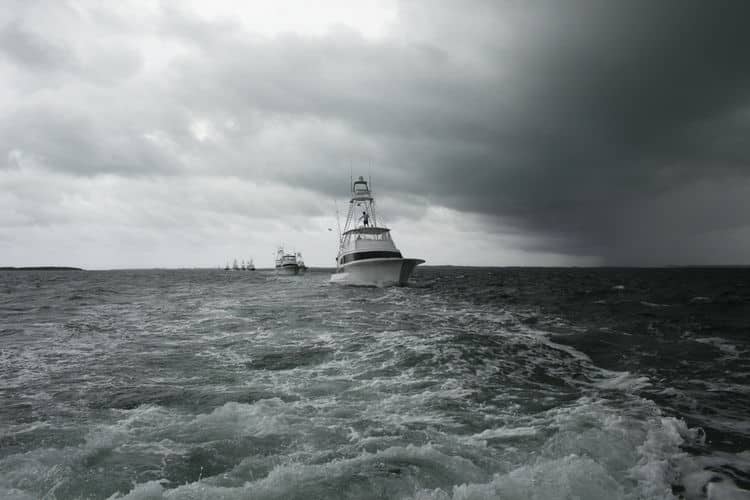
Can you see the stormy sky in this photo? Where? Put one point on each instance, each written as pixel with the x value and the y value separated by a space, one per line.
pixel 185 134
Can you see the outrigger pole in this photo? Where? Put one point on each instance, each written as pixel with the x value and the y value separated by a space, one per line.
pixel 338 218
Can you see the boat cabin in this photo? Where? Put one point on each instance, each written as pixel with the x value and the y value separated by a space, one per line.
pixel 364 237
pixel 285 259
pixel 367 243
pixel 288 259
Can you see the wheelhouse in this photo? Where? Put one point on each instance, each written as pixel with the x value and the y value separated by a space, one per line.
pixel 367 243
pixel 366 234
pixel 285 259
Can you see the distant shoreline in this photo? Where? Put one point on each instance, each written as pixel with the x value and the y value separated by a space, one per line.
pixel 41 268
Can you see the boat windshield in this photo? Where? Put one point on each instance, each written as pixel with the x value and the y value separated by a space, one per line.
pixel 386 236
pixel 371 234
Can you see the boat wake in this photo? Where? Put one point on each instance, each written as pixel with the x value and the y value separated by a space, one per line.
pixel 298 390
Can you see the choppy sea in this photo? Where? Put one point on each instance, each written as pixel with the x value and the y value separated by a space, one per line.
pixel 509 383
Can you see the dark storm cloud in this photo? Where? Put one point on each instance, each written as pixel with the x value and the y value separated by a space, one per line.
pixel 611 129
pixel 609 117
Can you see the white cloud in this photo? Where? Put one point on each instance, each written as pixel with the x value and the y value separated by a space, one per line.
pixel 371 18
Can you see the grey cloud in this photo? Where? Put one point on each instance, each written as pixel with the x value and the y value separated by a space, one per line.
pixel 586 126
pixel 80 143
pixel 28 49
pixel 54 40
pixel 614 104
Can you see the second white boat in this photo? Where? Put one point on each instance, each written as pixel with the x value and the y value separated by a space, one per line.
pixel 286 263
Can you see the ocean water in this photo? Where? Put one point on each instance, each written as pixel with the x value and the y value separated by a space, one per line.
pixel 469 384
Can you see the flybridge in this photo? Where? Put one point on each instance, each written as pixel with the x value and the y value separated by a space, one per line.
pixel 365 231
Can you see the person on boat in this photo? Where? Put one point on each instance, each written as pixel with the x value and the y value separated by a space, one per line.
pixel 365 219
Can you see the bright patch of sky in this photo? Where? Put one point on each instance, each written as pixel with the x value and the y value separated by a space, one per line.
pixel 370 18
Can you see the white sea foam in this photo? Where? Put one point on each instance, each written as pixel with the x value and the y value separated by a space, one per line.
pixel 297 480
pixel 708 477
pixel 654 304
pixel 596 453
pixel 503 433
pixel 623 381
pixel 14 494
pixel 405 395
pixel 38 471
pixel 591 451
pixel 728 349
pixel 567 477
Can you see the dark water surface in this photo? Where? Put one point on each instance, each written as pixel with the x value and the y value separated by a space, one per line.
pixel 472 383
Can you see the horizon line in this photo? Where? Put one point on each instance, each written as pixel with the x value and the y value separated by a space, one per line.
pixel 325 268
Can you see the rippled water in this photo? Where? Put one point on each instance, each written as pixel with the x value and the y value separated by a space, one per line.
pixel 472 383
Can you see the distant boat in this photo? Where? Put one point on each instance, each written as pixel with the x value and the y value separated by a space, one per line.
pixel 235 266
pixel 301 264
pixel 250 265
pixel 243 266
pixel 226 268
pixel 367 254
pixel 286 263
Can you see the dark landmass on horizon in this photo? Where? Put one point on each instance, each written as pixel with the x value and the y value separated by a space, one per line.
pixel 42 268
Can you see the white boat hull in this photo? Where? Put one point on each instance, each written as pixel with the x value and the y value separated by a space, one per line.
pixel 376 272
pixel 287 270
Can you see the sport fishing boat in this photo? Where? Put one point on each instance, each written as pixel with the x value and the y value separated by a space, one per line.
pixel 286 263
pixel 367 255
